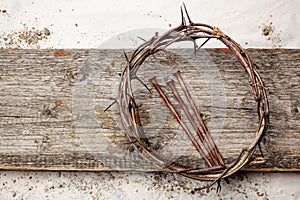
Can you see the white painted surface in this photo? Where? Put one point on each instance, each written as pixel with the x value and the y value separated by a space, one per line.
pixel 90 24
pixel 119 186
pixel 87 24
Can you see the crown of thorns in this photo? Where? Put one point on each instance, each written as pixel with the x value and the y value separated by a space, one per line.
pixel 216 169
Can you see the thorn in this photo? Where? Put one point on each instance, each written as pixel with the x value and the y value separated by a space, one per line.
pixel 260 150
pixel 256 65
pixel 125 56
pixel 141 38
pixel 187 14
pixel 182 17
pixel 203 43
pixel 110 105
pixel 219 186
pixel 144 84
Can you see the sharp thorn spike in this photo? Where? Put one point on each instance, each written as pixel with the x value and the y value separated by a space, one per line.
pixel 203 43
pixel 125 56
pixel 182 17
pixel 187 14
pixel 141 38
pixel 260 150
pixel 110 105
pixel 144 84
pixel 219 186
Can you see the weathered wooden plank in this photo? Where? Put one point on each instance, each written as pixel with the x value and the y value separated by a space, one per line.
pixel 36 132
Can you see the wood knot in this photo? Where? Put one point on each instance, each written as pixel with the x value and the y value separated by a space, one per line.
pixel 295 110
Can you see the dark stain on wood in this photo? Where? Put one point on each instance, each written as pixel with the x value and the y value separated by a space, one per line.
pixel 223 50
pixel 61 53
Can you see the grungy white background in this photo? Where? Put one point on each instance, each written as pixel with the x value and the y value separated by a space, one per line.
pixel 87 24
pixel 115 24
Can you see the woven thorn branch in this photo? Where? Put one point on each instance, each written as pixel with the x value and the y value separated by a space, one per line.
pixel 216 169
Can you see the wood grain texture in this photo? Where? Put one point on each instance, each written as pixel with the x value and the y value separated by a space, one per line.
pixel 51 108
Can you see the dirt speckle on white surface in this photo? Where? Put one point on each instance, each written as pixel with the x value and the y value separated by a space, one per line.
pixel 271 34
pixel 267 29
pixel 24 38
pixel 123 186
